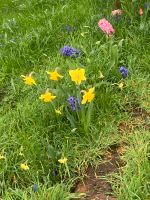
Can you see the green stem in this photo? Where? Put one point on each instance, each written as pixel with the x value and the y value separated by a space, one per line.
pixel 67 168
pixel 88 118
pixel 62 89
pixel 78 99
pixel 53 107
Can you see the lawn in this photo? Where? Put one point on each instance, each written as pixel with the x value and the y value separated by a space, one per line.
pixel 65 110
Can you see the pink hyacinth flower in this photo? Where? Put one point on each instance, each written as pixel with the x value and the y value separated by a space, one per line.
pixel 106 27
pixel 116 12
pixel 140 11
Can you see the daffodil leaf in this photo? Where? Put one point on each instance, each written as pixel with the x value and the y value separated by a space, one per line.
pixel 52 153
pixel 71 119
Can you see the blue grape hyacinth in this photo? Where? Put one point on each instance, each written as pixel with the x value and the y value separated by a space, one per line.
pixel 68 28
pixel 73 103
pixel 54 173
pixel 35 187
pixel 69 51
pixel 145 5
pixel 124 71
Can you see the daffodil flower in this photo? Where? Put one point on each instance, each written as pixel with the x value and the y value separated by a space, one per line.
pixel 101 75
pixel 73 130
pixel 58 111
pixel 62 160
pixel 21 154
pixel 24 166
pixel 54 75
pixel 77 75
pixel 83 34
pixel 2 157
pixel 28 79
pixel 120 85
pixel 88 96
pixel 47 97
pixel 97 42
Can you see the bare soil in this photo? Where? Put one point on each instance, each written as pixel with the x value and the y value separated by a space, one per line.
pixel 95 185
pixel 140 119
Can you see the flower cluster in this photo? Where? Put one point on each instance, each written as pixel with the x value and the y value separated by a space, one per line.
pixel 73 103
pixel 116 12
pixel 69 51
pixel 77 76
pixel 124 71
pixel 77 98
pixel 106 27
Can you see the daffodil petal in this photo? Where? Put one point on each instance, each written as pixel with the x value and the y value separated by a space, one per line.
pixel 91 90
pixel 83 101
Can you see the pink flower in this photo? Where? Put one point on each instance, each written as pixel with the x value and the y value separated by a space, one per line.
pixel 116 12
pixel 106 27
pixel 140 11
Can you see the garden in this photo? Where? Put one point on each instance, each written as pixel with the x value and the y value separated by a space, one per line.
pixel 75 100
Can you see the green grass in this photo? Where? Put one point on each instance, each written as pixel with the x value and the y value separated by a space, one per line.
pixel 31 34
pixel 134 180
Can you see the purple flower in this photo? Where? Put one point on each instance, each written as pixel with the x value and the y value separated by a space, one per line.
pixel 54 173
pixel 117 17
pixel 124 71
pixel 73 103
pixel 129 22
pixel 70 51
pixel 68 28
pixel 146 5
pixel 35 187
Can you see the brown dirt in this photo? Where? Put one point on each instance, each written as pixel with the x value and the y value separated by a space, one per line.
pixel 140 118
pixel 2 94
pixel 95 186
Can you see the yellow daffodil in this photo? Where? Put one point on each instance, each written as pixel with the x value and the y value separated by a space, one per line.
pixel 98 42
pixel 62 161
pixel 28 79
pixel 83 34
pixel 77 75
pixel 88 96
pixel 24 166
pixel 73 130
pixel 47 97
pixel 101 75
pixel 21 154
pixel 58 111
pixel 2 157
pixel 120 85
pixel 54 75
